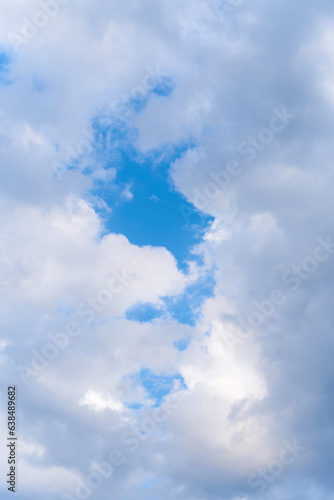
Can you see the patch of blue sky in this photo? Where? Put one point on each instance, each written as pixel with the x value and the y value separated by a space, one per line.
pixel 5 61
pixel 133 406
pixel 145 205
pixel 144 313
pixel 162 88
pixel 182 344
pixel 186 309
pixel 158 386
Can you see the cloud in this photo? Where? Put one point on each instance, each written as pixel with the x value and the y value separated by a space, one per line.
pixel 153 106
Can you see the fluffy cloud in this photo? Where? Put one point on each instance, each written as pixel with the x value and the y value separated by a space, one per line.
pixel 251 93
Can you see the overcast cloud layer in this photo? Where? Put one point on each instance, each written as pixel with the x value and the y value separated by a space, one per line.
pixel 167 248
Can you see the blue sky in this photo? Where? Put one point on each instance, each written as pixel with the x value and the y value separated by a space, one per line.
pixel 158 386
pixel 4 67
pixel 166 293
pixel 152 216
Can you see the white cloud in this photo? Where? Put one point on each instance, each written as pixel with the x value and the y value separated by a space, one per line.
pixel 100 402
pixel 56 252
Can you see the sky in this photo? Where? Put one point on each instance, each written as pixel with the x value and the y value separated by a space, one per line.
pixel 167 249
